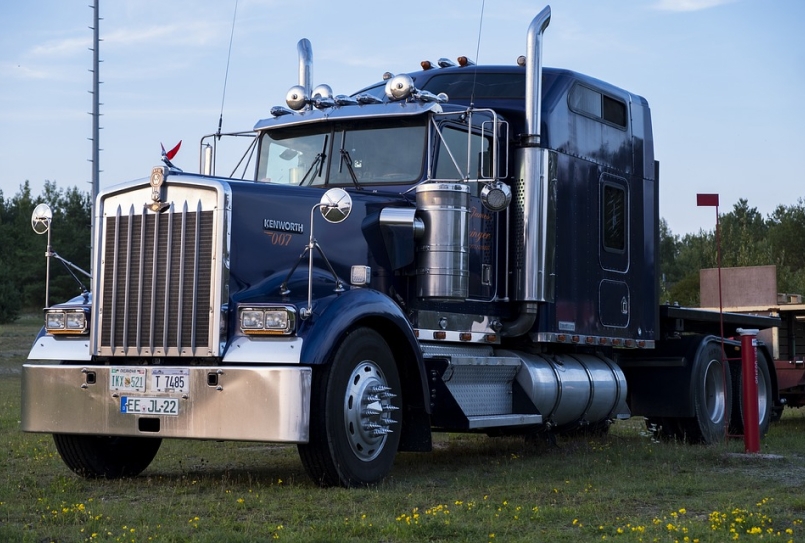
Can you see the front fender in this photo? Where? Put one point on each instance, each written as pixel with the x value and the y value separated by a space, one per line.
pixel 323 333
pixel 370 308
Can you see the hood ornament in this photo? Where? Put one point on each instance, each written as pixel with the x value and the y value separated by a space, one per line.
pixel 157 179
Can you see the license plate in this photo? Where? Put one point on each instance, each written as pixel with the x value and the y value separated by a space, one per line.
pixel 127 379
pixel 140 405
pixel 170 380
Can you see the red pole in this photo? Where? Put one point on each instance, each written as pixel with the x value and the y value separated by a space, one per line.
pixel 711 200
pixel 749 390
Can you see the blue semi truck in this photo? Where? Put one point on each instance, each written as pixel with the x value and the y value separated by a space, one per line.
pixel 463 248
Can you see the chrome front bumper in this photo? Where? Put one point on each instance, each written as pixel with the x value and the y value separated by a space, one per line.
pixel 222 403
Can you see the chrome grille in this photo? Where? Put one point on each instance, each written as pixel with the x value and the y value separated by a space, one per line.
pixel 156 282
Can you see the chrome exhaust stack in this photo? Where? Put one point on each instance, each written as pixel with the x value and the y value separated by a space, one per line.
pixel 305 51
pixel 535 209
pixel 533 76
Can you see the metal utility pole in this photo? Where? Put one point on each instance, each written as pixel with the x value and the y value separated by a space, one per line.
pixel 96 119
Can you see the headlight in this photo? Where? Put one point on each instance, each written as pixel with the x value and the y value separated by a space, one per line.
pixel 66 321
pixel 267 320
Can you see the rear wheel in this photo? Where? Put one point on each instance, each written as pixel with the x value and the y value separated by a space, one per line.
pixel 764 396
pixel 354 427
pixel 711 388
pixel 109 457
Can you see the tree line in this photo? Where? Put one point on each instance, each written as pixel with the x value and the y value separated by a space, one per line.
pixel 22 251
pixel 747 239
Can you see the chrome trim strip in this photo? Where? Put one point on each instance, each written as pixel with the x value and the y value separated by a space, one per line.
pixel 127 299
pixel 140 284
pixel 60 348
pixel 382 110
pixel 452 336
pixel 495 421
pixel 154 271
pixel 195 279
pixel 115 271
pixel 598 341
pixel 181 275
pixel 277 349
pixel 166 310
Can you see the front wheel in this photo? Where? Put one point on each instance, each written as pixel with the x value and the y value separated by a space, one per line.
pixel 354 420
pixel 109 457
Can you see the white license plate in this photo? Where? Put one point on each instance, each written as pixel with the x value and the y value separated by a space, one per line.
pixel 170 380
pixel 127 379
pixel 140 405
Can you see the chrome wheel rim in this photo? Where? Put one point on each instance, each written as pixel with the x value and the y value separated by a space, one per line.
pixel 368 411
pixel 715 396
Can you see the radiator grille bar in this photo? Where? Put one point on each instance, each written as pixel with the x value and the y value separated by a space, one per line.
pixel 157 274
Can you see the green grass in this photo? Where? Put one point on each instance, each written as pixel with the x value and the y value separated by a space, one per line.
pixel 623 487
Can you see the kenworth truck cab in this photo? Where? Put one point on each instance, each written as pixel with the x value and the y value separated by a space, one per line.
pixel 463 248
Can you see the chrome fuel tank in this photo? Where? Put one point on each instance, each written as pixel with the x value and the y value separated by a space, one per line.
pixel 573 388
pixel 443 252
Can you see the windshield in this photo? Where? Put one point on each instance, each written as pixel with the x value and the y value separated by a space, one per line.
pixel 370 153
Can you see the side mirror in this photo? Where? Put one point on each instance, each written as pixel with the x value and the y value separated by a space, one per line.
pixel 40 219
pixel 335 205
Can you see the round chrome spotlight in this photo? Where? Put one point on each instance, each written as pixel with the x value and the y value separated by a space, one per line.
pixel 322 91
pixel 296 98
pixel 496 196
pixel 400 87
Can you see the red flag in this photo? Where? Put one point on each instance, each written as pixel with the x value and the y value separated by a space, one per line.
pixel 172 153
pixel 707 200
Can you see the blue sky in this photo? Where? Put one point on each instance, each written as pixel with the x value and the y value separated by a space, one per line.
pixel 724 79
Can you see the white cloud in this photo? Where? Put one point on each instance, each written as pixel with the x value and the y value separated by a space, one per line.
pixel 63 48
pixel 20 71
pixel 194 33
pixel 689 5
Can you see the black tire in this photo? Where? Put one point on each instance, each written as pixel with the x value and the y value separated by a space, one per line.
pixel 108 457
pixel 711 389
pixel 354 424
pixel 764 392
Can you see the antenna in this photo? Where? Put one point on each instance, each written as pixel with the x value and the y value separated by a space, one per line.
pixel 477 53
pixel 226 75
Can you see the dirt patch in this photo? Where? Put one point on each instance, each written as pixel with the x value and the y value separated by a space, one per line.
pixel 790 467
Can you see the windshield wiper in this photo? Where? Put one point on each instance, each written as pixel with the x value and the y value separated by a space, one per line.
pixel 348 159
pixel 318 160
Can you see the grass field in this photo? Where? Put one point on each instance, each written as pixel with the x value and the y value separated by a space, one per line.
pixel 623 487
